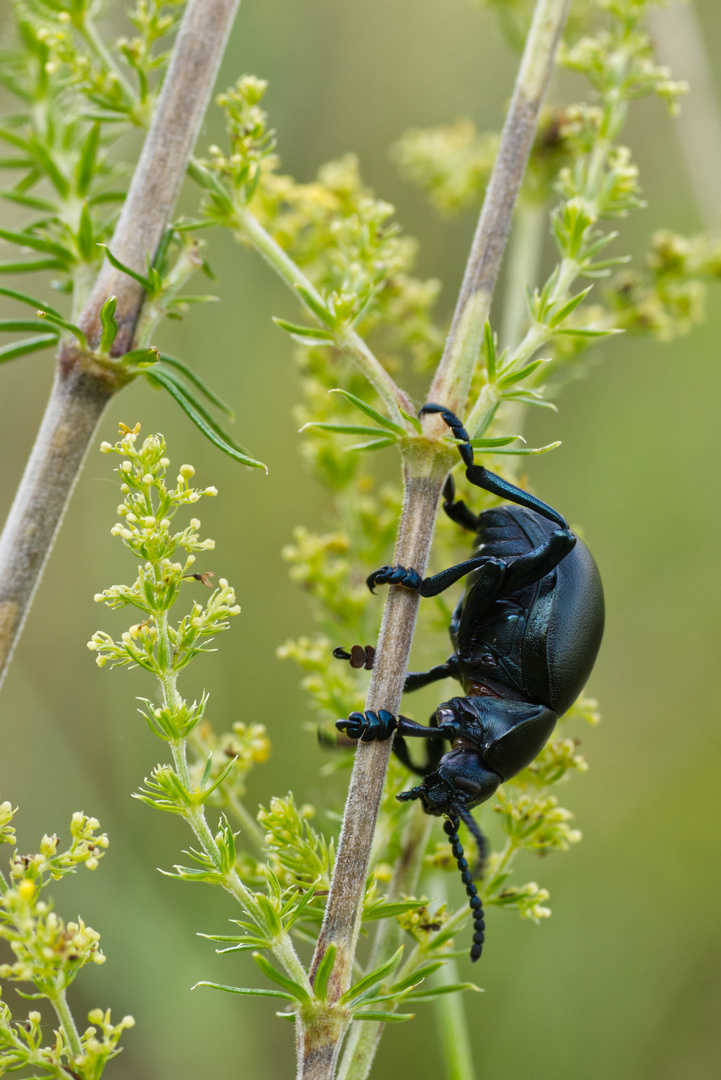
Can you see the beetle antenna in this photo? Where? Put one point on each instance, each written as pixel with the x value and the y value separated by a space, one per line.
pixel 471 824
pixel 474 900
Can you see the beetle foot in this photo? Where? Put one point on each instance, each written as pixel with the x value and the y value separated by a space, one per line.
pixel 369 726
pixel 408 578
pixel 360 656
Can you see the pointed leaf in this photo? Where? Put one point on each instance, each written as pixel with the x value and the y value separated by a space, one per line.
pixel 31 266
pixel 384 1017
pixel 412 420
pixel 109 325
pixel 196 414
pixel 486 444
pixel 388 911
pixel 344 429
pixel 25 299
pixel 245 990
pixel 293 988
pixel 316 305
pixel 70 327
pixel 86 161
pixel 526 451
pixel 369 411
pixel 489 347
pixel 126 270
pixel 571 332
pixel 522 373
pixel 37 243
pixel 20 326
pixel 372 978
pixel 31 201
pixel 529 397
pixel 320 983
pixel 20 348
pixel 568 307
pixel 198 383
pixel 416 977
pixel 374 444
pixel 305 335
pixel 436 991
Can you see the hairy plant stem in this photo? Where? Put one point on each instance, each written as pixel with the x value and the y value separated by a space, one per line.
pixel 362 1042
pixel 62 1010
pixel 453 378
pixel 82 387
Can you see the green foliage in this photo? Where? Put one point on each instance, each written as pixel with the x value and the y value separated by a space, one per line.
pixel 49 954
pixel 79 93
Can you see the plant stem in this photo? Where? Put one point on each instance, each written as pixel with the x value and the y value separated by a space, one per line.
pixel 62 1011
pixel 82 388
pixel 453 377
pixel 346 339
pixel 363 1038
pixel 453 1027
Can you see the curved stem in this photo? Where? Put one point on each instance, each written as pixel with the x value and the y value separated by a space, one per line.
pixel 67 1022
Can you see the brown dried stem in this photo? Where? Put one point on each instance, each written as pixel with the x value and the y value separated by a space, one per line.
pixel 83 387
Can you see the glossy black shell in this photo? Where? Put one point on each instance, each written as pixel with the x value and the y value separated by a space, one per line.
pixel 540 642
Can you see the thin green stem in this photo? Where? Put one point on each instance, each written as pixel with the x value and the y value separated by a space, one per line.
pixel 88 31
pixel 346 339
pixel 62 1010
pixel 453 1027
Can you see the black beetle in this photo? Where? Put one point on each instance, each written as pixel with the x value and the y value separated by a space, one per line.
pixel 525 633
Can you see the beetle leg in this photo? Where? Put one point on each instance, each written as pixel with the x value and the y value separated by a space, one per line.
pixel 415 680
pixel 482 478
pixel 434 753
pixel 369 726
pixel 458 511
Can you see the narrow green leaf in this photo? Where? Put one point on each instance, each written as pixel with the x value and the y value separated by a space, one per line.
pixel 305 335
pixel 195 413
pixel 568 307
pixel 412 420
pixel 37 243
pixel 320 984
pixel 126 270
pixel 85 236
pixel 489 347
pixel 245 990
pixel 20 348
pixel 20 326
pixel 25 299
pixel 198 383
pixel 485 444
pixel 388 911
pixel 570 332
pixel 316 306
pixel 344 429
pixel 110 326
pixel 86 161
pixel 369 411
pixel 293 988
pixel 436 991
pixel 30 201
pixel 526 451
pixel 522 373
pixel 529 397
pixel 374 444
pixel 372 978
pixel 286 1016
pixel 70 327
pixel 30 266
pixel 416 977
pixel 384 1017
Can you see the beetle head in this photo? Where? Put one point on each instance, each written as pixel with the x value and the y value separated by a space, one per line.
pixel 461 778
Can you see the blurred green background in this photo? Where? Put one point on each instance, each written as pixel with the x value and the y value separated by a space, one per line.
pixel 625 978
